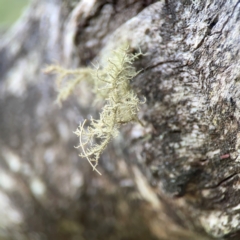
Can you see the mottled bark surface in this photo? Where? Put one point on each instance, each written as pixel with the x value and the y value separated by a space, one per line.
pixel 175 178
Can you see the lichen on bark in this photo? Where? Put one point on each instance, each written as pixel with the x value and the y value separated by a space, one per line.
pixel 178 178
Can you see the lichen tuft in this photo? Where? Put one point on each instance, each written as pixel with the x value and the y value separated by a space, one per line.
pixel 112 84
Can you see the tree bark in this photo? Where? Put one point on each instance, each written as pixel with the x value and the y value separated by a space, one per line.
pixel 175 178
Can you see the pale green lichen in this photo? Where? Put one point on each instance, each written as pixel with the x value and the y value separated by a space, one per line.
pixel 112 83
pixel 68 79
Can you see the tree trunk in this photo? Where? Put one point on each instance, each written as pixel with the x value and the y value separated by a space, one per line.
pixel 176 177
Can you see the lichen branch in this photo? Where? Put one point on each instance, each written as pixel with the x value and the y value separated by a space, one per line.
pixel 68 79
pixel 112 84
pixel 121 105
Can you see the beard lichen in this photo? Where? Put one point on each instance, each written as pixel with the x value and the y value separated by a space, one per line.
pixel 112 84
pixel 68 79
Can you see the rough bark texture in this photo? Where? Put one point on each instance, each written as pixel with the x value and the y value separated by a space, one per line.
pixel 175 178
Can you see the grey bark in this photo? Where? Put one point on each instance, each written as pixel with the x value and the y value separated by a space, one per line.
pixel 175 178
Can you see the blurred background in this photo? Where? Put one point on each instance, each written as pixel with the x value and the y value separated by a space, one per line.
pixel 10 11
